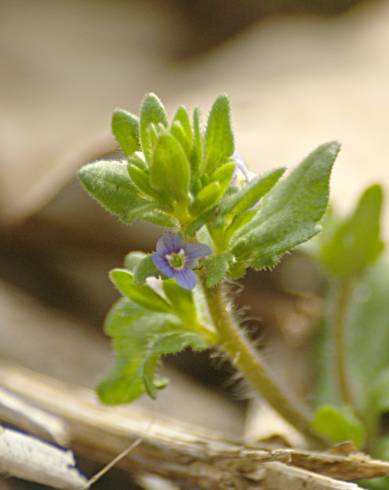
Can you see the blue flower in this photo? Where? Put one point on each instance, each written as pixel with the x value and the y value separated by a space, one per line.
pixel 176 258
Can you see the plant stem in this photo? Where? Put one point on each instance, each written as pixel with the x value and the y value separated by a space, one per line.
pixel 245 358
pixel 341 307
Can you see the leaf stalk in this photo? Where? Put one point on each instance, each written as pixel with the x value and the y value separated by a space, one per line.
pixel 344 293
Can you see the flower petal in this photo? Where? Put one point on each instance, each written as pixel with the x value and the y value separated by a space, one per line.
pixel 194 251
pixel 163 265
pixel 186 278
pixel 169 243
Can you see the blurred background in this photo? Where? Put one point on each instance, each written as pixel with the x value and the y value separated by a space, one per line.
pixel 298 73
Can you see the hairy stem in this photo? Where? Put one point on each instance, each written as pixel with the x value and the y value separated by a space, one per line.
pixel 342 301
pixel 247 360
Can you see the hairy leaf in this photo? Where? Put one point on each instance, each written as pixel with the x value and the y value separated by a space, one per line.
pixel 153 112
pixel 197 149
pixel 182 129
pixel 219 139
pixel 217 267
pixel 251 193
pixel 170 169
pixel 108 182
pixel 140 179
pixel 140 338
pixel 291 211
pixel 125 127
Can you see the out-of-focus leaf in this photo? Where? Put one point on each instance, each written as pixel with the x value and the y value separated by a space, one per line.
pixel 339 425
pixel 355 243
pixel 367 354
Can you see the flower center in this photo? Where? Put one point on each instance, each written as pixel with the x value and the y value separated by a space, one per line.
pixel 177 259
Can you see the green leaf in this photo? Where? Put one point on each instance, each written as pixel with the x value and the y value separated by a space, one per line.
pixel 238 222
pixel 145 268
pixel 203 218
pixel 355 243
pixel 223 176
pixel 197 149
pixel 381 450
pixel 141 294
pixel 140 179
pixel 108 182
pixel 184 134
pixel 181 299
pixel 339 425
pixel 132 259
pixel 367 354
pixel 207 197
pixel 160 218
pixel 170 169
pixel 291 211
pixel 237 270
pixel 378 402
pixel 217 268
pixel 182 117
pixel 251 193
pixel 125 127
pixel 140 338
pixel 219 138
pixel 179 134
pixel 152 112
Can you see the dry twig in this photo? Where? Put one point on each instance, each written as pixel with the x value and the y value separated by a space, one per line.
pixel 179 452
pixel 30 459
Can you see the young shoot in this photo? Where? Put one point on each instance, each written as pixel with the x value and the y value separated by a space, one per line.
pixel 217 220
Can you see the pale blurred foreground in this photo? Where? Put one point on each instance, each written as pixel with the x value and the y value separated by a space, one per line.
pixel 294 83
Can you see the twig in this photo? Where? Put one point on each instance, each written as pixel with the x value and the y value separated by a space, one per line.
pixel 112 463
pixel 172 450
pixel 25 416
pixel 24 457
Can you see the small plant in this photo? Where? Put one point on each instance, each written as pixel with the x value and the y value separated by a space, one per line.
pixel 217 221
